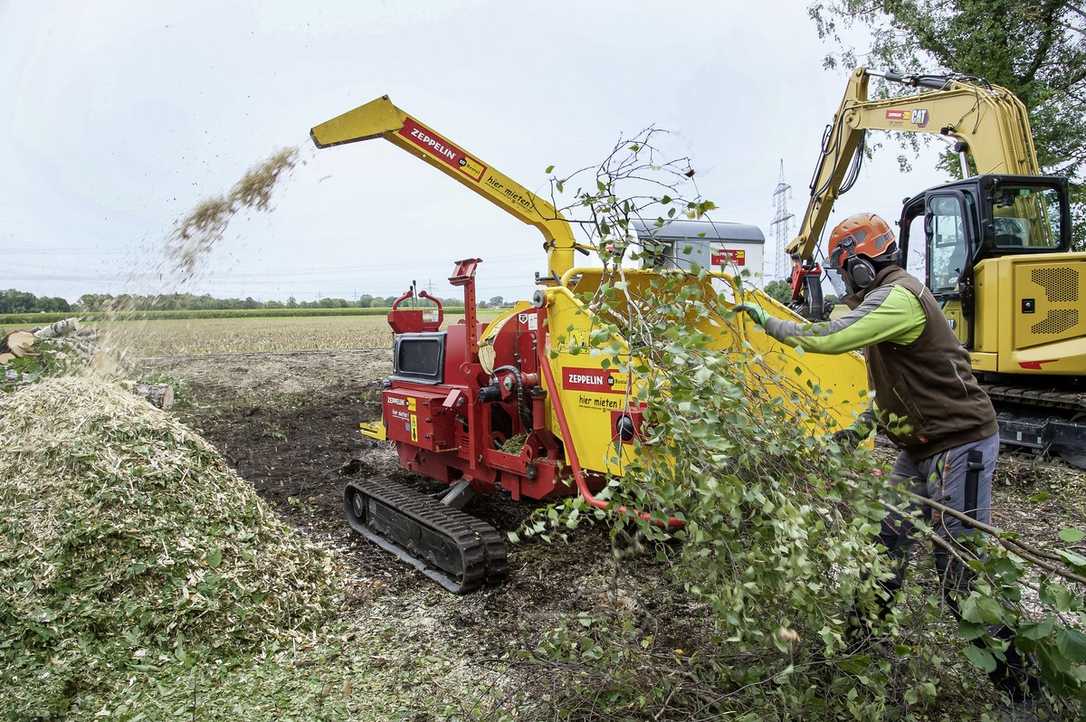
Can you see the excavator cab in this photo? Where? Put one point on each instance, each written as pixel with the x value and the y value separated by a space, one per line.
pixel 946 231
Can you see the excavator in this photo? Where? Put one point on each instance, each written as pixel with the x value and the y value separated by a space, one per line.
pixel 528 404
pixel 994 248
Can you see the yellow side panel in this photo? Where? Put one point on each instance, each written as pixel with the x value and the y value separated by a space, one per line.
pixel 1049 302
pixel 590 393
pixel 986 309
pixel 984 361
pixel 954 316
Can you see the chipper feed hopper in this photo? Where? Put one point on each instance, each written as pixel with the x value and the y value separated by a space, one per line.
pixel 458 395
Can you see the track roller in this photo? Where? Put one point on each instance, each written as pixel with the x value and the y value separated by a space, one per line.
pixel 458 551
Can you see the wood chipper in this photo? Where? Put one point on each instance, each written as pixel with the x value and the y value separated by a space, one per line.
pixel 458 395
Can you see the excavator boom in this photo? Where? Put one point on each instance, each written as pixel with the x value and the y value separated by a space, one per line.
pixel 381 119
pixel 986 122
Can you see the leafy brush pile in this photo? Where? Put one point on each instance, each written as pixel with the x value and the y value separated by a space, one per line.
pixel 126 541
pixel 780 551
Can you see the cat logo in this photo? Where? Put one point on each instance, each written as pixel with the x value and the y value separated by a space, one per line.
pixel 920 117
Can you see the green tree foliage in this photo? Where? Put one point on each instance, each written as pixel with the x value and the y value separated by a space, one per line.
pixel 779 290
pixel 13 301
pixel 1035 48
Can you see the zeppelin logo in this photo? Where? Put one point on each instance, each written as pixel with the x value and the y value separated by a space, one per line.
pixel 599 380
pixel 895 115
pixel 725 256
pixel 442 149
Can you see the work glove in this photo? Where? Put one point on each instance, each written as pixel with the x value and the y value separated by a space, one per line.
pixel 851 437
pixel 848 439
pixel 757 313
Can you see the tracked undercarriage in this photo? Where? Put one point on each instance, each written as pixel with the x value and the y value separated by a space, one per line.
pixel 1042 419
pixel 458 551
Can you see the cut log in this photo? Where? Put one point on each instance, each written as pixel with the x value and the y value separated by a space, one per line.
pixel 60 328
pixel 160 395
pixel 18 343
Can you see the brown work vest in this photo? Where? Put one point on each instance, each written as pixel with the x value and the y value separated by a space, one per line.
pixel 926 397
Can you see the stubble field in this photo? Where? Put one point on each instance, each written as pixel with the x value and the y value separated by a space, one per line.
pixel 193 337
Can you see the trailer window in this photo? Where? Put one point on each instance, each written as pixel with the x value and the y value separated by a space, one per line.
pixel 1026 216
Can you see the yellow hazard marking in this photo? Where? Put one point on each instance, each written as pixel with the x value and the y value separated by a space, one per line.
pixel 414 427
pixel 411 403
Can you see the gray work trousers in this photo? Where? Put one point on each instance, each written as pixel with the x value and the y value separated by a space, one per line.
pixel 959 478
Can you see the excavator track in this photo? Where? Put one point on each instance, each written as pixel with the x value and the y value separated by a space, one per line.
pixel 1042 420
pixel 458 551
pixel 1038 397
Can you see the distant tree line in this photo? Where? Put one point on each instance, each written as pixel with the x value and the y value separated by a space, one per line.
pixel 12 301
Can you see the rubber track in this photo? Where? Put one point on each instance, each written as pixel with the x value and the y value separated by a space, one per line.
pixel 1040 398
pixel 481 547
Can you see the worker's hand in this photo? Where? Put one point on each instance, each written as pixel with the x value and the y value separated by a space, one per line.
pixel 848 439
pixel 757 313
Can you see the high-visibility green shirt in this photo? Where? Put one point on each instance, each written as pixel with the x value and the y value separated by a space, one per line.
pixel 887 313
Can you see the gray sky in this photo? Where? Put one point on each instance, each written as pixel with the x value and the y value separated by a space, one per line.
pixel 119 116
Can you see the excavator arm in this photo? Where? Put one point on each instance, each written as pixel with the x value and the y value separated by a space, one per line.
pixel 381 119
pixel 987 123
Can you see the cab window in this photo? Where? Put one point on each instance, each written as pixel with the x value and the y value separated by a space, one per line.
pixel 948 252
pixel 1026 217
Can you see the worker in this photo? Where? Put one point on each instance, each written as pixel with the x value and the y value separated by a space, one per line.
pixel 926 400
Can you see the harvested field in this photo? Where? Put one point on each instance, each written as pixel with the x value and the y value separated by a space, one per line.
pixel 189 337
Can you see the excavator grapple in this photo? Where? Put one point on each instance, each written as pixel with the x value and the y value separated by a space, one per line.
pixel 522 405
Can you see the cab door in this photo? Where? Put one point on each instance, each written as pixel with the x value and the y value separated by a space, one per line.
pixel 949 258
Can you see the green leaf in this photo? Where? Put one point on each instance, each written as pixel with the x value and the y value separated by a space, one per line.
pixel 971 631
pixel 214 559
pixel 980 658
pixel 1072 535
pixel 1072 644
pixel 1037 631
pixel 1076 560
pixel 1057 595
pixel 550 169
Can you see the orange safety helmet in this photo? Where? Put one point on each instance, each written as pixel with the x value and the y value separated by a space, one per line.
pixel 857 243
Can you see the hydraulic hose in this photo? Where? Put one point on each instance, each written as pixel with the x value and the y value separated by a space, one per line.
pixel 567 437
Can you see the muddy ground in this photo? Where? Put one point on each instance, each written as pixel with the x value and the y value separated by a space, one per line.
pixel 287 423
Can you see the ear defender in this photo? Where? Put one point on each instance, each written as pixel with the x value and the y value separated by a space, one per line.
pixel 861 270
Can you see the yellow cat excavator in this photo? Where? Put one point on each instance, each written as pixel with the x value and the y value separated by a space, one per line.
pixel 994 247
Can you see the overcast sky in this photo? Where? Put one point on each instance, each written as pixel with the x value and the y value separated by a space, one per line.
pixel 118 116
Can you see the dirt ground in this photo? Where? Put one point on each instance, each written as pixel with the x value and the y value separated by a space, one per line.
pixel 287 423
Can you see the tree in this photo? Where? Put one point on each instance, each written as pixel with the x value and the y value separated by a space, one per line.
pixel 1035 48
pixel 779 290
pixel 496 302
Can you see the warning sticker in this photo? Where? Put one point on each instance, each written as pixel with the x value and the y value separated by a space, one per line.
pixel 442 149
pixel 528 320
pixel 729 256
pixel 598 380
pixel 895 114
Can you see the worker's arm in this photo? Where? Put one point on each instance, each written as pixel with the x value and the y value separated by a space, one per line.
pixel 888 313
